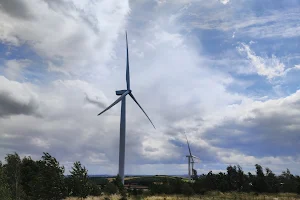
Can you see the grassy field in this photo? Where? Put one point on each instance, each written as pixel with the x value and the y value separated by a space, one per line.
pixel 210 196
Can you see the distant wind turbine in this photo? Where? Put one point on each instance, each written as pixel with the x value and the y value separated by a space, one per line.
pixel 190 159
pixel 122 98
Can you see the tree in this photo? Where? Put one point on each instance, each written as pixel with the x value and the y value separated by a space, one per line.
pixel 79 181
pixel 118 182
pixel 5 193
pixel 194 174
pixel 12 169
pixel 110 188
pixel 260 184
pixel 50 183
pixel 240 179
pixel 94 189
pixel 232 176
pixel 222 183
pixel 298 184
pixel 200 186
pixel 211 181
pixel 272 182
pixel 289 181
pixel 29 174
pixel 187 190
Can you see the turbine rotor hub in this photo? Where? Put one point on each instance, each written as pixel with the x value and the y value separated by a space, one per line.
pixel 120 92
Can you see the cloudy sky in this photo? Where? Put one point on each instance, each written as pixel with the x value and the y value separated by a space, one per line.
pixel 225 71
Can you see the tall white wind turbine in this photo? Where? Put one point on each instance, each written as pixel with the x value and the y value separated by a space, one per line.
pixel 190 159
pixel 122 98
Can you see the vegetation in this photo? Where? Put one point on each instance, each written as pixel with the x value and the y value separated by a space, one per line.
pixel 27 179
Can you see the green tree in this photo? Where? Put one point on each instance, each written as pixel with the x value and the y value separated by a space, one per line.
pixel 232 176
pixel 29 175
pixel 79 181
pixel 272 182
pixel 222 183
pixel 95 190
pixel 118 182
pixel 260 184
pixel 298 184
pixel 110 188
pixel 50 180
pixel 5 193
pixel 12 169
pixel 187 190
pixel 241 180
pixel 289 181
pixel 194 174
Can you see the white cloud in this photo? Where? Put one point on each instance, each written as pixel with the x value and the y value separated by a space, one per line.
pixel 269 67
pixel 17 98
pixel 170 77
pixel 14 68
pixel 86 36
pixel 224 1
pixel 297 66
pixel 279 24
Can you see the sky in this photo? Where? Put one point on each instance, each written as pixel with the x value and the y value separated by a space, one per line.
pixel 223 71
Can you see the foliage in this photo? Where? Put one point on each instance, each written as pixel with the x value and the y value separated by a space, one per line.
pixel 12 170
pixel 110 189
pixel 29 179
pixel 78 181
pixel 95 189
pixel 118 183
pixel 5 193
pixel 187 190
pixel 50 179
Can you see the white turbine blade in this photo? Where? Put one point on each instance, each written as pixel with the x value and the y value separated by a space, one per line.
pixel 189 148
pixel 114 103
pixel 141 108
pixel 127 66
pixel 187 141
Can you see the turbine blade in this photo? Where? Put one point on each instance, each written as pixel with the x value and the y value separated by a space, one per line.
pixel 114 103
pixel 189 147
pixel 141 108
pixel 127 66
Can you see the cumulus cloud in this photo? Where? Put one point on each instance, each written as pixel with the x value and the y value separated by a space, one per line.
pixel 15 8
pixel 14 68
pixel 272 123
pixel 87 31
pixel 16 98
pixel 170 76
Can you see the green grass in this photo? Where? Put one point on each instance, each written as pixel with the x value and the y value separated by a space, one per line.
pixel 209 196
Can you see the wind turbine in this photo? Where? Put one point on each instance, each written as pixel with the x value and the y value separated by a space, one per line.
pixel 122 98
pixel 190 159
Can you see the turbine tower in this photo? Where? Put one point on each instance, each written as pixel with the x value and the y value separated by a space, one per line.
pixel 190 159
pixel 122 98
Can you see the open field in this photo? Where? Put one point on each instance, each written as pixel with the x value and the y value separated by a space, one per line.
pixel 210 196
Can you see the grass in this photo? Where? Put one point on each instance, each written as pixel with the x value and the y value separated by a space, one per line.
pixel 209 196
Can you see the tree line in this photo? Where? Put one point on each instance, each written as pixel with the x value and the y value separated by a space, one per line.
pixel 234 180
pixel 27 179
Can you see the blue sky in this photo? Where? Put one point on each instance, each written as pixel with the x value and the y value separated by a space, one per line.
pixel 224 71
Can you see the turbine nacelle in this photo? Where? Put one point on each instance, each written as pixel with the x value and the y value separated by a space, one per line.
pixel 120 92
